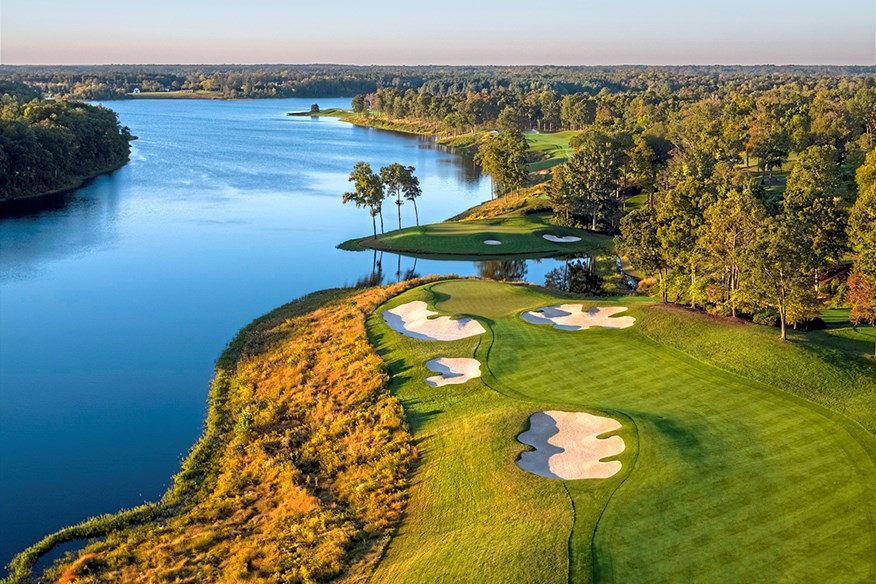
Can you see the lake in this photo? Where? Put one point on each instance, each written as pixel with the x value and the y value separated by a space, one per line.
pixel 114 306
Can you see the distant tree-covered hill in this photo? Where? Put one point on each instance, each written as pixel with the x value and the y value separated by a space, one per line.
pixel 254 81
pixel 47 145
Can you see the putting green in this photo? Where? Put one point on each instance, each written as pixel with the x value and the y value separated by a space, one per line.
pixel 725 477
pixel 516 236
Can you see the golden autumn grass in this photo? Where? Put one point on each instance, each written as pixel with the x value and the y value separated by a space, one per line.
pixel 302 471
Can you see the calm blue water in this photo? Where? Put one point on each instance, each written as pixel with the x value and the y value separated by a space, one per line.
pixel 114 307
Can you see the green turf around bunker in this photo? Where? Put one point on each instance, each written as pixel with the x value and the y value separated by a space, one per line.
pixel 727 476
pixel 485 238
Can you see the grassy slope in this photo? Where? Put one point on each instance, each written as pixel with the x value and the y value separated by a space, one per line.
pixel 553 147
pixel 734 480
pixel 519 236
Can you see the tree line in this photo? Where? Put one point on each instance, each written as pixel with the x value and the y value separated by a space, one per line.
pixel 371 189
pixel 719 230
pixel 719 243
pixel 52 145
pixel 258 81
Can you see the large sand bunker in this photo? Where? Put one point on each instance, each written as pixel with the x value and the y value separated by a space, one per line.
pixel 413 319
pixel 567 447
pixel 452 371
pixel 571 317
pixel 557 239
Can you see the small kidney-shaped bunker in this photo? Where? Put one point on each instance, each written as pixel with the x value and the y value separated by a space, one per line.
pixel 452 370
pixel 567 448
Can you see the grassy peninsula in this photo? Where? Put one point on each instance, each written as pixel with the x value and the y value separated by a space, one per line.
pixel 327 457
pixel 522 236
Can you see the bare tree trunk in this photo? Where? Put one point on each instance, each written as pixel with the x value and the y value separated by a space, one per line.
pixel 693 279
pixel 374 225
pixel 398 204
pixel 416 213
pixel 381 221
pixel 733 278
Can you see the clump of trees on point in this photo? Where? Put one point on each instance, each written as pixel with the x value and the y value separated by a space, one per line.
pixel 371 189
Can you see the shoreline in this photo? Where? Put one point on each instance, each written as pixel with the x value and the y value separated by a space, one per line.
pixel 43 201
pixel 466 143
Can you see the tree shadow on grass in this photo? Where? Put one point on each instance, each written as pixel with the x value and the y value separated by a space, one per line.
pixel 684 436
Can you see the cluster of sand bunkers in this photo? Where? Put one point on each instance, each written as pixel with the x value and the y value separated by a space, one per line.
pixel 547 236
pixel 567 445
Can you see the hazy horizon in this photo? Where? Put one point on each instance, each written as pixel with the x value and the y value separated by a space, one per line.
pixel 452 33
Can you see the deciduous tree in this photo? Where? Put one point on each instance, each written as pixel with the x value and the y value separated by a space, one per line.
pixel 815 199
pixel 776 271
pixel 367 192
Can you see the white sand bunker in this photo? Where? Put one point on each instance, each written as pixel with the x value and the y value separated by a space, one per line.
pixel 567 447
pixel 566 239
pixel 571 317
pixel 413 319
pixel 452 371
pixel 492 242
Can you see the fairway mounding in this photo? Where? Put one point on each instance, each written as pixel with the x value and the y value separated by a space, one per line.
pixel 571 317
pixel 492 242
pixel 564 239
pixel 452 370
pixel 567 447
pixel 413 320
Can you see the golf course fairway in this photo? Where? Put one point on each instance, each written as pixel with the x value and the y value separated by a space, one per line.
pixel 738 465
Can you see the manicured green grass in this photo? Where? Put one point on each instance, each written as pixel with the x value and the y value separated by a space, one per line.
pixel 635 202
pixel 520 236
pixel 836 316
pixel 729 474
pixel 553 147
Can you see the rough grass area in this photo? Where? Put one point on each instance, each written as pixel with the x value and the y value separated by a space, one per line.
pixel 529 200
pixel 301 474
pixel 519 237
pixel 730 475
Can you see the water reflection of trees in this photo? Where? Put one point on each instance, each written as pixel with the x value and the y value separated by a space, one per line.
pixel 577 275
pixel 377 275
pixel 502 270
pixel 467 170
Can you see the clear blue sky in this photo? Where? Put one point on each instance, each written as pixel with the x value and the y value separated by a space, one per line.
pixel 439 32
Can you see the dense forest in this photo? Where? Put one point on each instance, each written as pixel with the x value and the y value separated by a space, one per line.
pixel 48 145
pixel 754 194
